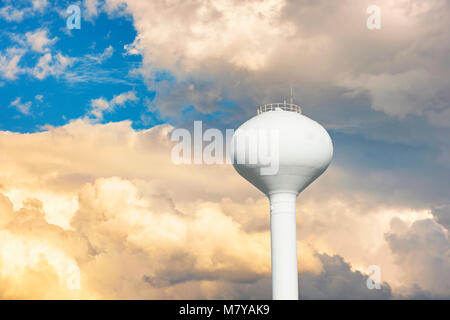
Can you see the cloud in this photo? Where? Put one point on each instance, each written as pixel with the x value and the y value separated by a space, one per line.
pixel 147 230
pixel 100 105
pixel 249 52
pixel 55 63
pixel 338 281
pixel 139 251
pixel 152 226
pixel 422 251
pixel 442 215
pixel 117 190
pixel 102 57
pixel 103 208
pixel 49 64
pixel 9 63
pixel 204 23
pixel 38 40
pixel 39 5
pixel 17 13
pixel 130 224
pixel 11 14
pixel 407 93
pixel 118 225
pixel 23 107
pixel 37 259
pixel 92 9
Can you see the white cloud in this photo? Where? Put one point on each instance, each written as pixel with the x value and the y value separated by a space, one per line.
pixel 63 165
pixel 187 33
pixel 51 63
pixel 100 105
pixel 54 65
pixel 102 57
pixel 15 14
pixel 124 97
pixel 399 94
pixel 248 50
pixel 47 64
pixel 12 14
pixel 38 40
pixel 108 201
pixel 9 63
pixel 39 97
pixel 130 225
pixel 39 5
pixel 92 8
pixel 23 107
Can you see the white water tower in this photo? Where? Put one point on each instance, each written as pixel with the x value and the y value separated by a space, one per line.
pixel 304 152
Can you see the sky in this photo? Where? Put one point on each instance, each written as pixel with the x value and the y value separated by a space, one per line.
pixel 93 207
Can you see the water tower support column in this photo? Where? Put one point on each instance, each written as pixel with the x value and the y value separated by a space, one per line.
pixel 284 246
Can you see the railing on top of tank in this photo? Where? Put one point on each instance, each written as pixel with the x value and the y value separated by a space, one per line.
pixel 277 106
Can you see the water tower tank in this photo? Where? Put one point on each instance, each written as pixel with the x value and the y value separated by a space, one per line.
pixel 299 150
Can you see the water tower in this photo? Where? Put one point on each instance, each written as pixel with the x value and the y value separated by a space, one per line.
pixel 304 152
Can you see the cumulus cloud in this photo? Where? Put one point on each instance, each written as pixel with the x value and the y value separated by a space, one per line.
pixel 422 251
pixel 11 14
pixel 34 255
pixel 52 64
pixel 92 9
pixel 23 107
pixel 9 63
pixel 139 251
pixel 155 233
pixel 39 5
pixel 194 37
pixel 17 12
pixel 38 40
pixel 100 211
pixel 133 211
pixel 250 51
pixel 338 281
pixel 100 105
pixel 102 57
pixel 141 225
pixel 48 64
pixel 442 215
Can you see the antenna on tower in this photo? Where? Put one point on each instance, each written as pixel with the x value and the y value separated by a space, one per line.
pixel 291 97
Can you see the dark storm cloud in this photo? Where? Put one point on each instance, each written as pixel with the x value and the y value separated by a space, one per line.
pixel 442 215
pixel 338 281
pixel 422 251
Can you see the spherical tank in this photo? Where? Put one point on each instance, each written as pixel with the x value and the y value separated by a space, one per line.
pixel 299 146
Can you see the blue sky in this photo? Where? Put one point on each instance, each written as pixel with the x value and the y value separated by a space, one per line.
pixel 56 99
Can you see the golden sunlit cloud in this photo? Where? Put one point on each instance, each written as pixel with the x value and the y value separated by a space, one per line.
pixel 118 222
